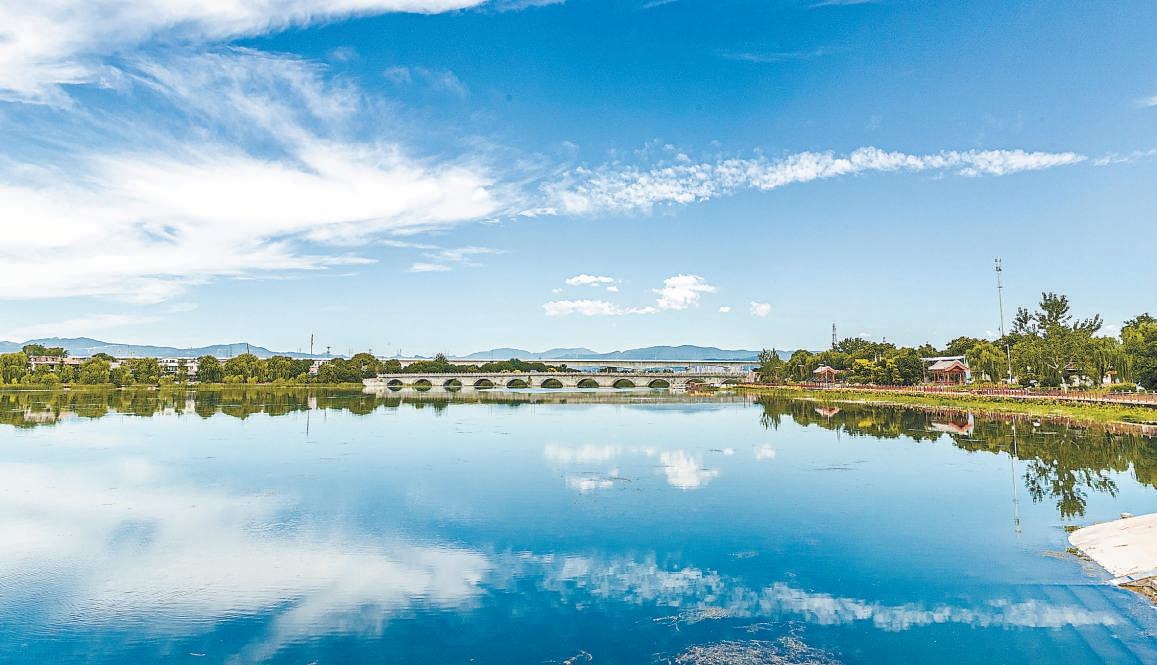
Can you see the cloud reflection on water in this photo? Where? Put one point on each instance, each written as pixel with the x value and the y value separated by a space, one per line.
pixel 683 470
pixel 696 592
pixel 131 544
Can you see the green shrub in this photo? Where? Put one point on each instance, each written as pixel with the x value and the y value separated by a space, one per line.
pixel 1123 388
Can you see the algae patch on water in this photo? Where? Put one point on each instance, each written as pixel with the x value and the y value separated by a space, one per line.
pixel 784 651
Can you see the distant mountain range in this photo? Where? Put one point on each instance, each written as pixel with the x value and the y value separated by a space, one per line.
pixel 85 346
pixel 684 352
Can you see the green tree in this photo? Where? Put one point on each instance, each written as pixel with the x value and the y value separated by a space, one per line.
pixel 284 368
pixel 800 364
pixel 182 370
pixel 145 371
pixel 209 370
pixel 1139 344
pixel 369 366
pixel 94 371
pixel 13 366
pixel 41 350
pixel 772 368
pixel 244 368
pixel 1050 343
pixel 120 376
pixel 339 370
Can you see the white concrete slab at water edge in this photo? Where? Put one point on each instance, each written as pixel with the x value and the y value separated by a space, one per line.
pixel 1125 547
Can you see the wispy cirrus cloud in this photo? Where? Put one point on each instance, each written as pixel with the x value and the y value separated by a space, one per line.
pixel 142 222
pixel 619 187
pixel 583 307
pixel 44 45
pixel 770 57
pixel 82 326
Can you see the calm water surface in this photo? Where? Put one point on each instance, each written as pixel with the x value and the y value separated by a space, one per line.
pixel 244 527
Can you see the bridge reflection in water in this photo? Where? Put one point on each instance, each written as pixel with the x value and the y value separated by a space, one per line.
pixel 552 380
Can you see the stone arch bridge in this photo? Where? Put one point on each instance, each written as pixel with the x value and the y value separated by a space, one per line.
pixel 557 380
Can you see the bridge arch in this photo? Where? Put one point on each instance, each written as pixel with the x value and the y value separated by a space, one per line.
pixel 551 383
pixel 623 383
pixel 422 384
pixel 516 383
pixel 452 384
pixel 395 384
pixel 588 383
pixel 483 383
pixel 659 383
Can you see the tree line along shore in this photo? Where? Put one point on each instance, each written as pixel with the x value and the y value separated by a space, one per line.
pixel 36 366
pixel 1047 348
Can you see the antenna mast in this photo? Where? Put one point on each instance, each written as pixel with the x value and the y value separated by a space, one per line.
pixel 833 334
pixel 1000 296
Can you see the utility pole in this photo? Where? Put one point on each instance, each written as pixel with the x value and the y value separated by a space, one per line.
pixel 1000 296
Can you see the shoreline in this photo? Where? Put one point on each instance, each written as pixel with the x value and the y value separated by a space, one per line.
pixel 1139 417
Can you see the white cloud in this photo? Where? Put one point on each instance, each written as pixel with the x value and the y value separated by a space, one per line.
pixel 682 291
pixel 612 289
pixel 462 256
pixel 1149 101
pixel 79 327
pixel 587 454
pixel 1114 158
pixel 429 267
pixel 46 44
pixel 685 471
pixel 627 188
pixel 441 81
pixel 764 452
pixel 146 220
pixel 140 544
pixel 725 309
pixel 589 280
pixel 760 308
pixel 584 307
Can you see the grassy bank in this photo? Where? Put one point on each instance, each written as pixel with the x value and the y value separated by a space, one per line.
pixel 1042 408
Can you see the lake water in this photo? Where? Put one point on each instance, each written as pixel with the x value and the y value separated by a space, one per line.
pixel 294 527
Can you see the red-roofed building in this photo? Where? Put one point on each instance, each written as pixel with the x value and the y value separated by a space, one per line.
pixel 949 372
pixel 825 374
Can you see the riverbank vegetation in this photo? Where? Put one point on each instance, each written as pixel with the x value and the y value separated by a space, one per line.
pixel 981 404
pixel 1046 347
pixel 27 369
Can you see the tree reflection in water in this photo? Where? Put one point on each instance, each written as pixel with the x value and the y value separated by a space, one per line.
pixel 1064 461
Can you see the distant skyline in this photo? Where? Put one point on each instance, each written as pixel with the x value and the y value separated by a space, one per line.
pixel 456 175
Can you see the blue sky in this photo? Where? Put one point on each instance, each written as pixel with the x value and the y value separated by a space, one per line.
pixel 454 175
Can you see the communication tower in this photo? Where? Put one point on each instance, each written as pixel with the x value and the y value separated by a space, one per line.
pixel 833 334
pixel 1000 297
